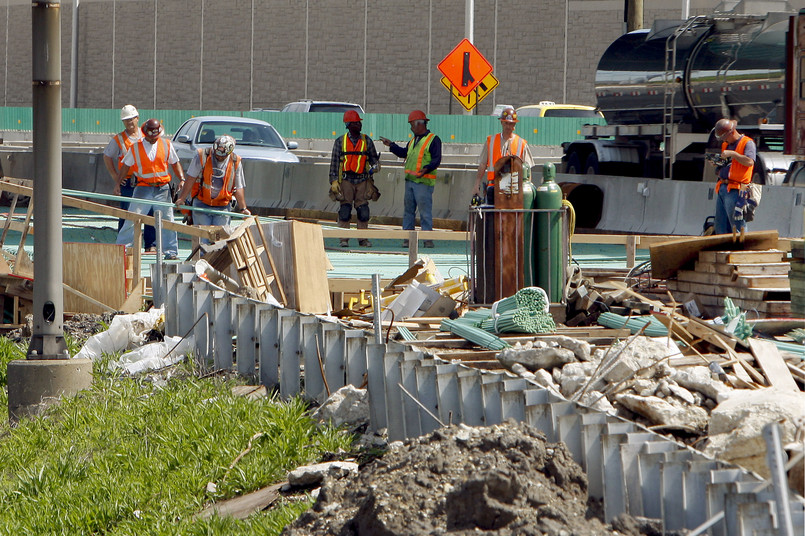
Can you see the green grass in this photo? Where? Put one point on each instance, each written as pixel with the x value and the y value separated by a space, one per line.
pixel 128 457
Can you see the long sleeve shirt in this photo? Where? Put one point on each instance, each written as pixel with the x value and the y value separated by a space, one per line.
pixel 435 151
pixel 372 159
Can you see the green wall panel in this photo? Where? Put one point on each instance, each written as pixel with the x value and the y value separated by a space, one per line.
pixel 451 128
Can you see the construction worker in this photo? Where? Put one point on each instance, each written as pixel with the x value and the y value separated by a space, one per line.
pixel 152 156
pixel 734 176
pixel 353 162
pixel 113 159
pixel 422 154
pixel 496 147
pixel 214 177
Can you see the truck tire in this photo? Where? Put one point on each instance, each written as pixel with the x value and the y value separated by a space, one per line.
pixel 573 164
pixel 591 167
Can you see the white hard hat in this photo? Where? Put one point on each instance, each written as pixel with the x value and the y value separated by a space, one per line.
pixel 128 112
pixel 223 146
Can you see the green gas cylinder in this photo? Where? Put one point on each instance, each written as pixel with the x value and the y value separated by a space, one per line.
pixel 548 235
pixel 528 234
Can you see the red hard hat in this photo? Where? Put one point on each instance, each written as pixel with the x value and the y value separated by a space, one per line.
pixel 417 115
pixel 351 116
pixel 152 128
pixel 508 115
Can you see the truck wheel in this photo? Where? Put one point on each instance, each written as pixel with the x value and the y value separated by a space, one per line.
pixel 573 164
pixel 592 165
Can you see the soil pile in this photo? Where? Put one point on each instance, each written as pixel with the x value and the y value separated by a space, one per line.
pixel 502 480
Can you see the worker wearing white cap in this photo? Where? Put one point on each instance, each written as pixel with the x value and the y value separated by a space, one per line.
pixel 113 158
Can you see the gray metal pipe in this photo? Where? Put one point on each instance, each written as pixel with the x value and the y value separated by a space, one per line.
pixel 47 341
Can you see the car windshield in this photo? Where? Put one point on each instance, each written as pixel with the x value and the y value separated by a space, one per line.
pixel 569 112
pixel 335 107
pixel 247 134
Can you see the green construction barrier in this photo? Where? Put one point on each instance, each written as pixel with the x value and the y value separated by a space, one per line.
pixel 450 128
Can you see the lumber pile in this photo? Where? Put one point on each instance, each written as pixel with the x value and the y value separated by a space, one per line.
pixel 755 280
pixel 796 277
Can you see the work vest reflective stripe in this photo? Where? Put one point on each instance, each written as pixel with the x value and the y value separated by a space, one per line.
pixel 419 157
pixel 124 143
pixel 353 156
pixel 494 153
pixel 204 192
pixel 152 173
pixel 739 173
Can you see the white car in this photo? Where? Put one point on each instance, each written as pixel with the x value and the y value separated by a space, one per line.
pixel 321 106
pixel 254 139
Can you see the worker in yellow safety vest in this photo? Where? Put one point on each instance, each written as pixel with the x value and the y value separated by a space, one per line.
pixel 214 178
pixel 423 155
pixel 505 143
pixel 152 156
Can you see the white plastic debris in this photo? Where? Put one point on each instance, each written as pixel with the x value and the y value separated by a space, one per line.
pixel 155 355
pixel 125 332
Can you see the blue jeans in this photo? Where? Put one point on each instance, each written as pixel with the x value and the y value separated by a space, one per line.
pixel 418 195
pixel 149 233
pixel 170 241
pixel 203 218
pixel 725 211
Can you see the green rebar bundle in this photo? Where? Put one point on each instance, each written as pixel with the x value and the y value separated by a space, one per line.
pixel 655 327
pixel 520 321
pixel 473 334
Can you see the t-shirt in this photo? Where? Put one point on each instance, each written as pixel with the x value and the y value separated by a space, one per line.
pixel 750 150
pixel 151 151
pixel 528 160
pixel 112 150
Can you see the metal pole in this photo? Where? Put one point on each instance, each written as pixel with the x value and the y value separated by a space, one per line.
pixel 469 27
pixel 47 341
pixel 74 56
pixel 156 287
pixel 775 458
pixel 376 307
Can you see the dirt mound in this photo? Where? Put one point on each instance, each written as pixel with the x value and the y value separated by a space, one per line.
pixel 503 480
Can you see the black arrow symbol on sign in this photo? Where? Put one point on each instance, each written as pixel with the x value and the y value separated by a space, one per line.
pixel 466 76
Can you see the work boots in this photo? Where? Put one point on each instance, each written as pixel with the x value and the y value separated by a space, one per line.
pixel 364 242
pixel 344 243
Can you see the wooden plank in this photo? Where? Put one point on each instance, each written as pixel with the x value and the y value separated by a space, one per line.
pixel 669 257
pixel 309 262
pixel 772 268
pixel 21 246
pixel 763 281
pixel 392 234
pixel 773 365
pixel 245 505
pixel 757 256
pixel 761 294
pixel 98 271
pixel 277 282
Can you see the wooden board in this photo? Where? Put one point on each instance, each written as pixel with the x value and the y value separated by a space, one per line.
pixel 310 268
pixel 97 270
pixel 732 292
pixel 772 364
pixel 669 257
pixel 743 257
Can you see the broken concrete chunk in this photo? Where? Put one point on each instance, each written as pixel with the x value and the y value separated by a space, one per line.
pixel 699 379
pixel 544 379
pixel 681 392
pixel 596 400
pixel 313 475
pixel 662 412
pixel 347 406
pixel 581 349
pixel 536 358
pixel 736 425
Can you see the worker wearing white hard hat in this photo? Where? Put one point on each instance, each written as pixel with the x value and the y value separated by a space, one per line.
pixel 113 159
pixel 504 143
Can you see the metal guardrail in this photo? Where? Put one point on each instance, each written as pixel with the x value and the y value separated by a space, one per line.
pixel 629 468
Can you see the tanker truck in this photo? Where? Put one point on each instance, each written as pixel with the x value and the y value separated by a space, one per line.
pixel 662 89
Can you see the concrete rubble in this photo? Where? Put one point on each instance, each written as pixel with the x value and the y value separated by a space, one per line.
pixel 349 406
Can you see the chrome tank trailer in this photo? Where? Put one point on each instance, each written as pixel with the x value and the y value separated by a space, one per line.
pixel 725 66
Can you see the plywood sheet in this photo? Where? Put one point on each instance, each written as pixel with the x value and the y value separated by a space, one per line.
pixel 310 267
pixel 669 257
pixel 97 270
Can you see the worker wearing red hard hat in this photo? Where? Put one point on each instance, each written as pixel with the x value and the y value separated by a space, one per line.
pixel 739 152
pixel 422 154
pixel 505 143
pixel 354 161
pixel 152 156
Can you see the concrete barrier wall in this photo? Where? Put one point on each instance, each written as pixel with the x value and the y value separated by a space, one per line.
pixel 629 204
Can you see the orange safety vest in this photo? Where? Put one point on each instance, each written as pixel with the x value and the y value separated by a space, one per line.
pixel 203 191
pixel 354 156
pixel 739 173
pixel 152 173
pixel 124 143
pixel 494 153
pixel 418 157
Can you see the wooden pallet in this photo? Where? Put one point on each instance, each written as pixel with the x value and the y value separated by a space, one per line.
pixel 245 254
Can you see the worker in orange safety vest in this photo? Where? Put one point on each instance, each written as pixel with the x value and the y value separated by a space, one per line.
pixel 153 156
pixel 505 143
pixel 214 178
pixel 739 152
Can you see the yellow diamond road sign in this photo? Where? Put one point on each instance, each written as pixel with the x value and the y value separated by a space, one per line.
pixel 471 100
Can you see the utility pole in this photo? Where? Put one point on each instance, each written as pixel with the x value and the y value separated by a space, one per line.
pixel 469 27
pixel 48 372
